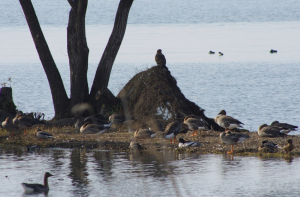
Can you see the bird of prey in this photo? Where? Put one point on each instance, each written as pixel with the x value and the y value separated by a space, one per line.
pixel 160 58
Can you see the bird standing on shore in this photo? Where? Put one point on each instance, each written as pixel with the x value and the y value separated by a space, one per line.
pixel 160 58
pixel 227 122
pixel 25 122
pixel 37 188
pixel 9 126
pixel 195 123
pixel 289 147
pixel 232 138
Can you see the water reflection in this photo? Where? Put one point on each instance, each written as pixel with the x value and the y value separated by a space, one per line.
pixel 80 172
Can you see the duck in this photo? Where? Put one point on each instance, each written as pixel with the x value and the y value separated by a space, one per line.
pixel 171 131
pixel 227 122
pixel 286 128
pixel 273 51
pixel 232 138
pixel 195 123
pixel 144 133
pixel 135 146
pixel 220 54
pixel 117 119
pixel 9 126
pixel 270 131
pixel 185 144
pixel 211 52
pixel 25 122
pixel 268 147
pixel 37 188
pixel 155 125
pixel 89 128
pixel 79 122
pixel 43 134
pixel 289 147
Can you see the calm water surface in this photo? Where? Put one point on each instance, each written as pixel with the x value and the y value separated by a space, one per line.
pixel 104 173
pixel 248 82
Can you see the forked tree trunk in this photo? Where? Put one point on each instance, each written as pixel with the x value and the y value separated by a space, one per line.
pixel 108 57
pixel 59 95
pixel 78 52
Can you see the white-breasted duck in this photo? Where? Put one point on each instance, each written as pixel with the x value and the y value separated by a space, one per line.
pixel 268 147
pixel 186 144
pixel 43 134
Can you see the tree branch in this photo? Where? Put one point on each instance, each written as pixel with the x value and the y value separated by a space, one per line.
pixel 59 95
pixel 104 68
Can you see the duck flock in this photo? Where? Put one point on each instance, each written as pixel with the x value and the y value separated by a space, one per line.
pixel 98 124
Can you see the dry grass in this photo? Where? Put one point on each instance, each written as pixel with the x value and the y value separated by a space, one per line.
pixel 68 137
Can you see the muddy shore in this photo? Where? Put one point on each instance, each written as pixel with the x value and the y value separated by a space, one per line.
pixel 68 137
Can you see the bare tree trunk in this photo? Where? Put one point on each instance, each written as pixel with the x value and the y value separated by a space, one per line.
pixel 78 52
pixel 59 95
pixel 104 68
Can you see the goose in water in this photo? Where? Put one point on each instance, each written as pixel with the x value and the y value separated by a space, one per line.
pixel 37 188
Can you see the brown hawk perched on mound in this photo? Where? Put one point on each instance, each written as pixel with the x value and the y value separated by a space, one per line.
pixel 160 58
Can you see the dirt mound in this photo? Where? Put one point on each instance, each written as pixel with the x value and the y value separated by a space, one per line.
pixel 154 94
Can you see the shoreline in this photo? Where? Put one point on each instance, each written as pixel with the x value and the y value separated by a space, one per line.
pixel 68 137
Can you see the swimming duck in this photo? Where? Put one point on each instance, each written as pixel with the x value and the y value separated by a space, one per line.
pixel 37 188
pixel 9 126
pixel 88 128
pixel 289 147
pixel 232 138
pixel 185 144
pixel 269 131
pixel 268 147
pixel 220 54
pixel 211 52
pixel 144 133
pixel 195 123
pixel 43 134
pixel 25 122
pixel 227 122
pixel 117 119
pixel 273 51
pixel 286 128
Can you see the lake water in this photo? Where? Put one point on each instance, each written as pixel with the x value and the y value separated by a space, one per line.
pixel 248 82
pixel 105 173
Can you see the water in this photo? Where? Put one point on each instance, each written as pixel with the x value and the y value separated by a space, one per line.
pixel 248 82
pixel 104 173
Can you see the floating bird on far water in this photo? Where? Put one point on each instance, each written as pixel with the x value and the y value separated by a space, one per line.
pixel 227 122
pixel 211 52
pixel 220 54
pixel 232 138
pixel 273 51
